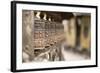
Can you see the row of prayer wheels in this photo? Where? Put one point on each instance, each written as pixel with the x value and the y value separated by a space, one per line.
pixel 46 32
pixel 41 32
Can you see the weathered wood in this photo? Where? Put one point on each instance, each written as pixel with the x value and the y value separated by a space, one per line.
pixel 27 32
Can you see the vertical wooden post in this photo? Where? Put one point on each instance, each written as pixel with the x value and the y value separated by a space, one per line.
pixel 27 32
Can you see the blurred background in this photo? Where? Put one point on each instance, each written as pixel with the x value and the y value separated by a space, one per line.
pixel 55 36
